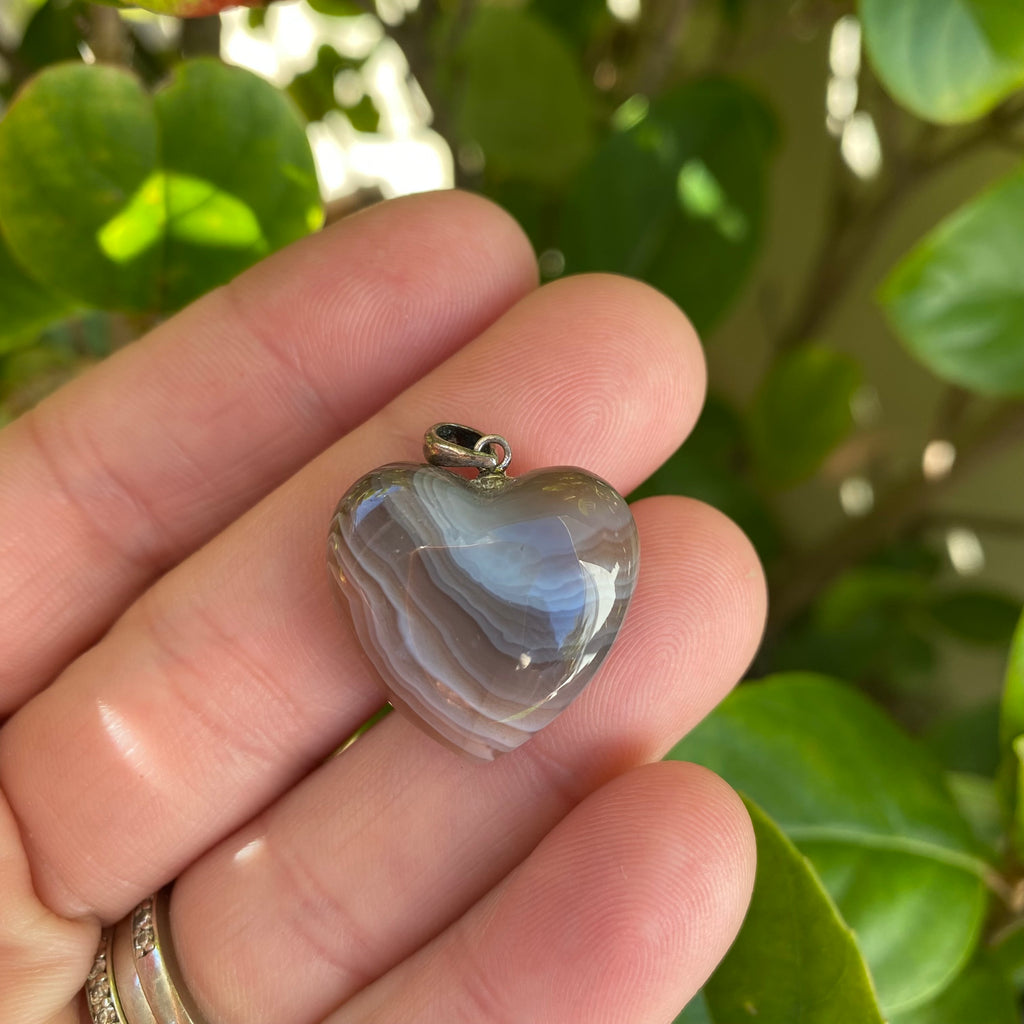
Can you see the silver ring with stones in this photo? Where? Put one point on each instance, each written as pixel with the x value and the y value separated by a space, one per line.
pixel 487 604
pixel 101 995
pixel 135 978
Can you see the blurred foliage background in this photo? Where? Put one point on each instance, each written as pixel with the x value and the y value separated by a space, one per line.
pixel 833 191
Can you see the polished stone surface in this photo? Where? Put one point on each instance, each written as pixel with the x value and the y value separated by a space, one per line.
pixel 486 605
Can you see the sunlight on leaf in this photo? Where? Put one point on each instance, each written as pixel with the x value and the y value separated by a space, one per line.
pixel 186 208
pixel 702 196
pixel 201 213
pixel 141 203
pixel 139 225
pixel 630 113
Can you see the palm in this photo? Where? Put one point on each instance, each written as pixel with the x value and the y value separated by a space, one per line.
pixel 172 723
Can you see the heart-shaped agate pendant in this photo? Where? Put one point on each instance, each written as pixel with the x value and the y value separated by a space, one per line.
pixel 485 604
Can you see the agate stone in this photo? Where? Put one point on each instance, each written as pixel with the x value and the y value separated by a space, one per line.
pixel 486 605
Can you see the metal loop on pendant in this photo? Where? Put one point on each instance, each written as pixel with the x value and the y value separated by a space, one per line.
pixel 456 446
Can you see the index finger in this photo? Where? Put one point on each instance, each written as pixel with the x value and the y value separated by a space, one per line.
pixel 124 472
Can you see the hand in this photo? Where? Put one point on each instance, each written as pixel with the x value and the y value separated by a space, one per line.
pixel 175 670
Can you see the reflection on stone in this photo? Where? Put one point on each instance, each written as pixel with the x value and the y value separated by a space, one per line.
pixel 486 605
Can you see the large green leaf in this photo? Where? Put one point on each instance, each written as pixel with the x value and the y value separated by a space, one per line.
pixel 677 197
pixel 124 201
pixel 957 300
pixel 75 146
pixel 981 995
pixel 801 412
pixel 522 97
pixel 946 60
pixel 242 139
pixel 794 959
pixel 24 303
pixel 870 809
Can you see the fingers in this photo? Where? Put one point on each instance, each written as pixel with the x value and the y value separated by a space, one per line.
pixel 387 844
pixel 619 915
pixel 43 959
pixel 234 674
pixel 131 467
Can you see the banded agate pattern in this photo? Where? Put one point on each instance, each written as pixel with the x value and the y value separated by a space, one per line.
pixel 485 605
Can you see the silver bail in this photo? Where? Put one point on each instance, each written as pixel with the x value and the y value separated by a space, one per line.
pixel 459 447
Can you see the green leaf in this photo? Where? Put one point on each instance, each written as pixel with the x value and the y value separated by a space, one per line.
pixel 1017 822
pixel 363 115
pixel 1007 951
pixel 1011 711
pixel 313 90
pixel 521 96
pixel 124 201
pixel 338 8
pixel 801 412
pixel 576 22
pixel 867 626
pixel 983 617
pixel 235 131
pixel 52 34
pixel 25 305
pixel 794 959
pixel 677 198
pixel 709 467
pixel 946 60
pixel 184 8
pixel 978 801
pixel 957 300
pixel 869 807
pixel 982 994
pixel 1011 737
pixel 695 1012
pixel 75 146
pixel 967 739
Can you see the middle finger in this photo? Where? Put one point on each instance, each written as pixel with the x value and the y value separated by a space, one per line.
pixel 233 675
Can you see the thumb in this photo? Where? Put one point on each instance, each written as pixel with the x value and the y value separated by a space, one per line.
pixel 43 958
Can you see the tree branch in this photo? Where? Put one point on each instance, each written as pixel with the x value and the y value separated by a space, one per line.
pixel 855 226
pixel 665 35
pixel 17 70
pixel 200 37
pixel 852 232
pixel 108 38
pixel 902 508
pixel 413 35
